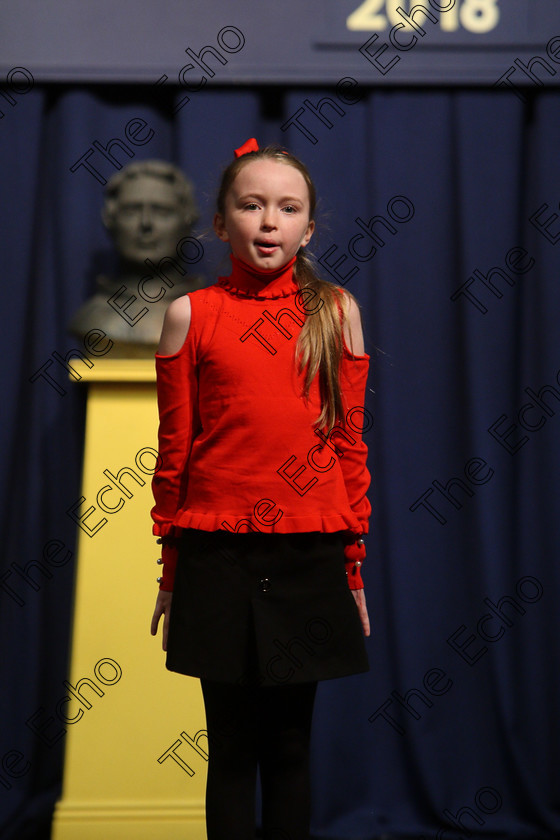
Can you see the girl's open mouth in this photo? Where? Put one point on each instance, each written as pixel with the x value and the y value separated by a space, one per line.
pixel 266 247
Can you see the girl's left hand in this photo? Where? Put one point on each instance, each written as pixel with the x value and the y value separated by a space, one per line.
pixel 360 599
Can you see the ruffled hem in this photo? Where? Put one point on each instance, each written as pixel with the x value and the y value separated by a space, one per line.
pixel 327 523
pixel 165 529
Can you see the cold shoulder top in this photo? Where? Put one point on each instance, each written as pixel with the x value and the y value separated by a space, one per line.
pixel 238 446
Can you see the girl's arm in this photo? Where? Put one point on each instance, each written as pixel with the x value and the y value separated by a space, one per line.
pixel 177 392
pixel 353 334
pixel 175 326
pixel 353 461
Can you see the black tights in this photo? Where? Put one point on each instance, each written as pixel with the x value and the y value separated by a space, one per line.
pixel 270 727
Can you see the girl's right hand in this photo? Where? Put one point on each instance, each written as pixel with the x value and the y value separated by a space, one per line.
pixel 163 607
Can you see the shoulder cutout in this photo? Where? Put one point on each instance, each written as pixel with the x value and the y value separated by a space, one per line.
pixel 175 326
pixel 353 335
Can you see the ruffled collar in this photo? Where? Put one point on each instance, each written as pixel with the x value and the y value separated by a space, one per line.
pixel 249 282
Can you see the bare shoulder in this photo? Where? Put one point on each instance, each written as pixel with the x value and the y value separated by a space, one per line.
pixel 175 326
pixel 353 333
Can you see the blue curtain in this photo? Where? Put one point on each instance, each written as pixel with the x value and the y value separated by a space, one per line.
pixel 439 211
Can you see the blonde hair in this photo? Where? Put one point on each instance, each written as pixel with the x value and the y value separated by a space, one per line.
pixel 320 344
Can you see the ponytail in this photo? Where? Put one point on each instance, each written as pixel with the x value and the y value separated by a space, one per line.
pixel 320 345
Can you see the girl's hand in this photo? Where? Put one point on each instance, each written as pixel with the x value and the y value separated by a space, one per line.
pixel 360 599
pixel 163 607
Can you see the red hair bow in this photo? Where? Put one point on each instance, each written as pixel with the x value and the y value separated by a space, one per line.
pixel 250 145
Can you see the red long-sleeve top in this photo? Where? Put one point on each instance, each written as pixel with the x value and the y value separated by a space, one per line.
pixel 238 446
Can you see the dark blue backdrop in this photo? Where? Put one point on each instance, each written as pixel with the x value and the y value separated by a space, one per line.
pixel 457 720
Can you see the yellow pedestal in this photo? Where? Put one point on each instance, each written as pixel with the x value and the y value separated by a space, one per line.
pixel 136 751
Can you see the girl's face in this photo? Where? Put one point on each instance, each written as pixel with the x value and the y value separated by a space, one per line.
pixel 266 214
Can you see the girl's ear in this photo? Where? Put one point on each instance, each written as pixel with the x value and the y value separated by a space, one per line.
pixel 308 234
pixel 219 228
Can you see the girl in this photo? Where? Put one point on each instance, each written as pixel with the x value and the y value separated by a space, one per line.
pixel 260 499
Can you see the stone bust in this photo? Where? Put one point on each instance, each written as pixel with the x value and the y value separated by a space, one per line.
pixel 149 210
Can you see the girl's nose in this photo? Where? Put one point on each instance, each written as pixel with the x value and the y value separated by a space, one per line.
pixel 268 219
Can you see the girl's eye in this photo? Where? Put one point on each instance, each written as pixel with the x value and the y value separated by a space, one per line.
pixel 251 206
pixel 290 209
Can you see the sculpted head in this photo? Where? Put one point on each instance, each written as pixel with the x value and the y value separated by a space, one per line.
pixel 149 207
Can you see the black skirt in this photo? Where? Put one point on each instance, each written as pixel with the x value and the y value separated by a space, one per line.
pixel 263 609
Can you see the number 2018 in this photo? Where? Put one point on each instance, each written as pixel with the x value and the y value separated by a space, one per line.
pixel 476 16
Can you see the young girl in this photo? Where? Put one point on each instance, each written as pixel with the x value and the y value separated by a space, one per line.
pixel 260 499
